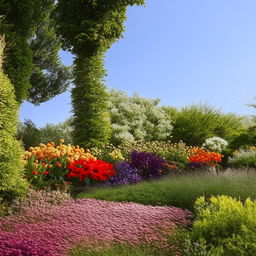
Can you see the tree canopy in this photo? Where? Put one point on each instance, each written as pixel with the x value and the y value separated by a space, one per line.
pixel 31 52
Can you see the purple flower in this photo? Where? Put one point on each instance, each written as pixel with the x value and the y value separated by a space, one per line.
pixel 149 164
pixel 125 174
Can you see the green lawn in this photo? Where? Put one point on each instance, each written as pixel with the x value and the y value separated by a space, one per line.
pixel 179 191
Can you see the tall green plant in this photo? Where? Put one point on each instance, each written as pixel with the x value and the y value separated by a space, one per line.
pixel 88 29
pixel 11 180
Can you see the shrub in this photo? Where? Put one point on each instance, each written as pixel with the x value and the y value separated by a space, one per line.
pixel 226 225
pixel 137 118
pixel 12 183
pixel 215 144
pixel 195 123
pixel 243 139
pixel 243 159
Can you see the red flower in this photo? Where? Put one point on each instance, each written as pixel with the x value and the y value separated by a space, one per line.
pixel 35 172
pixel 45 173
pixel 90 168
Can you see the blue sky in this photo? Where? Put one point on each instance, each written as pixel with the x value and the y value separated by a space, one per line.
pixel 180 51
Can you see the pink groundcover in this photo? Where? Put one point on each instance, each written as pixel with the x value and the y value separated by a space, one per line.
pixel 54 229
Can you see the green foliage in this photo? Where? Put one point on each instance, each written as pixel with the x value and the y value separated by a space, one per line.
pixel 32 50
pixel 29 134
pixel 12 183
pixel 177 152
pixel 244 158
pixel 226 225
pixel 49 76
pixel 243 139
pixel 195 123
pixel 32 136
pixel 119 250
pixel 179 191
pixel 137 118
pixel 88 29
pixel 90 103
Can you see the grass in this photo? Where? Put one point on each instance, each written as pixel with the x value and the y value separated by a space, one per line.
pixel 179 191
pixel 120 250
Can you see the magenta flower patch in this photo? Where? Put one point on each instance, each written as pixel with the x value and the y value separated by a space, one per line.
pixel 51 230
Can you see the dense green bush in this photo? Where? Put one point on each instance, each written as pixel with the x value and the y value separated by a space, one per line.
pixel 226 225
pixel 243 139
pixel 194 124
pixel 11 175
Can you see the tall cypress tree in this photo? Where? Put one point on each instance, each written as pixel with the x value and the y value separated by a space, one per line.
pixel 87 29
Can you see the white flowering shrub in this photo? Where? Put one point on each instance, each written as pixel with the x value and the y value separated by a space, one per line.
pixel 137 118
pixel 215 144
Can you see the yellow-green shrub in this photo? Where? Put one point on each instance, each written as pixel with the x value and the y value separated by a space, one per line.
pixel 226 225
pixel 11 176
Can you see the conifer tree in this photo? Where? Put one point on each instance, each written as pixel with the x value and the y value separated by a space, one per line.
pixel 12 183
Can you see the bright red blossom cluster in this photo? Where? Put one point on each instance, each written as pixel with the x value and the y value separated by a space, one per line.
pixel 91 168
pixel 202 156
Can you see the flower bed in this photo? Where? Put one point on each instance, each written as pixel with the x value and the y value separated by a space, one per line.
pixel 54 229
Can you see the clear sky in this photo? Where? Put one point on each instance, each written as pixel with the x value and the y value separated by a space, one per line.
pixel 180 51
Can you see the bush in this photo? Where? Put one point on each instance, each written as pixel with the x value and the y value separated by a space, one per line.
pixel 137 118
pixel 12 183
pixel 243 159
pixel 243 140
pixel 226 225
pixel 195 123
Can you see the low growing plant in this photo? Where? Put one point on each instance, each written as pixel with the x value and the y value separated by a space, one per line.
pixel 243 158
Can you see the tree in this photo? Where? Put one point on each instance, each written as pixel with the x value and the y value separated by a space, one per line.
pixel 11 176
pixel 32 62
pixel 87 29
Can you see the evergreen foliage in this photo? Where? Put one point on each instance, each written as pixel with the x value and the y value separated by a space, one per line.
pixel 11 180
pixel 88 29
pixel 194 124
pixel 32 50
